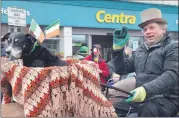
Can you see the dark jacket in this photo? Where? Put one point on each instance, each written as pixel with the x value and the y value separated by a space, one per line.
pixel 156 68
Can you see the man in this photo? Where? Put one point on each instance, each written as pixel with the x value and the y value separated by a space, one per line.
pixel 155 63
pixel 82 53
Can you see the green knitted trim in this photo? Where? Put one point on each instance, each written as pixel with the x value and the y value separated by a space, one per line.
pixel 35 45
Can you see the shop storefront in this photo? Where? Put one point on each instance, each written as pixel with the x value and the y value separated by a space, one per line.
pixel 86 22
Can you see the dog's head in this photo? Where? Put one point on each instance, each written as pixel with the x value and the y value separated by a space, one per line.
pixel 18 44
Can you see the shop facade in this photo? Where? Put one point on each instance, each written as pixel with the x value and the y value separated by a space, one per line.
pixel 86 22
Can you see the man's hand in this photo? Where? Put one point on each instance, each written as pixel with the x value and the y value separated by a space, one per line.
pixel 139 95
pixel 120 38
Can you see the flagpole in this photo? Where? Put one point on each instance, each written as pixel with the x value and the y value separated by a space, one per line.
pixel 30 26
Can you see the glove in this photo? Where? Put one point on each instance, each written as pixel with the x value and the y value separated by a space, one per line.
pixel 139 95
pixel 120 38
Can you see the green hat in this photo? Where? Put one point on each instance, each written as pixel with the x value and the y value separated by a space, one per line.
pixel 83 50
pixel 120 38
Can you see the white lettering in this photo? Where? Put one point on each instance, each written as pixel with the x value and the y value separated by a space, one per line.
pixel 177 22
pixel 4 11
pixel 28 13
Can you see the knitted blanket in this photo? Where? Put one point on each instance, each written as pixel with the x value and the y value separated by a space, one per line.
pixel 66 91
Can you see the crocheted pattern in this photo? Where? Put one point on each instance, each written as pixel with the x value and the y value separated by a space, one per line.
pixel 67 91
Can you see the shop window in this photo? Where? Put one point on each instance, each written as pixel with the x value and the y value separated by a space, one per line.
pixel 175 38
pixel 52 45
pixel 14 29
pixel 11 29
pixel 134 42
pixel 19 29
pixel 77 42
pixel 174 35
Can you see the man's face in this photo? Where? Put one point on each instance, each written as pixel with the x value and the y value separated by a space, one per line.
pixel 153 33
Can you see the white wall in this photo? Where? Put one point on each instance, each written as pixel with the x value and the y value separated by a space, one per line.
pixel 66 41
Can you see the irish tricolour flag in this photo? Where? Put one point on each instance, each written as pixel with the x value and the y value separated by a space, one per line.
pixel 53 29
pixel 37 31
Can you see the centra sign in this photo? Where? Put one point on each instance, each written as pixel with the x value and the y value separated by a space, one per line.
pixel 102 16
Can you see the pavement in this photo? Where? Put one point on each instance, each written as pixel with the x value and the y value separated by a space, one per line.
pixel 12 110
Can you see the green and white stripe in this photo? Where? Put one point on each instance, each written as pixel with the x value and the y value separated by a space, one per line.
pixel 53 29
pixel 36 30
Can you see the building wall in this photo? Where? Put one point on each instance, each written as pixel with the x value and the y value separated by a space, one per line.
pixel 118 5
pixel 4 29
pixel 79 14
pixel 81 17
pixel 160 2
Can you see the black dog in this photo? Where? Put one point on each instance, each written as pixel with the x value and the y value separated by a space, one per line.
pixel 25 47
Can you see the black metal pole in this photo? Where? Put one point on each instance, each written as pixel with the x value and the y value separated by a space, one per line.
pixel 118 89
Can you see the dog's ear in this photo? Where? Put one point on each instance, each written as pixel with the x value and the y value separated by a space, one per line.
pixel 30 37
pixel 5 37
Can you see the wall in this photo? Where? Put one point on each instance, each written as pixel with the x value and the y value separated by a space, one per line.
pixel 4 29
pixel 66 41
pixel 114 4
pixel 80 16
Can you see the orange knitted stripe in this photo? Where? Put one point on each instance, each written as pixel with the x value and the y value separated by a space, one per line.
pixel 10 73
pixel 33 86
pixel 40 106
pixel 87 74
pixel 18 83
pixel 55 83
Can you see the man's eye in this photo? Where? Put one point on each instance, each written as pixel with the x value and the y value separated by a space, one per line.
pixel 151 27
pixel 145 29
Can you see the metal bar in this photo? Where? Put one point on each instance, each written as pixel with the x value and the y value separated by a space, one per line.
pixel 118 89
pixel 112 96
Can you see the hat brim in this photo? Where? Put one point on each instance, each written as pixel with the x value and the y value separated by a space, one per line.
pixel 156 20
